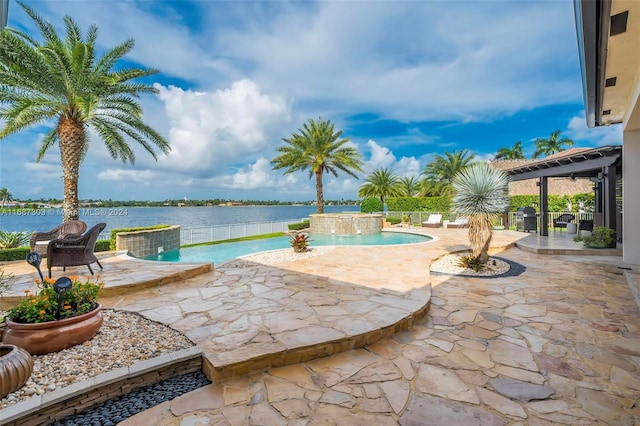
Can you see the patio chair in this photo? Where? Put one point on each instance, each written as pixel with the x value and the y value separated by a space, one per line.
pixel 433 221
pixel 74 250
pixel 585 225
pixel 460 222
pixel 40 240
pixel 562 221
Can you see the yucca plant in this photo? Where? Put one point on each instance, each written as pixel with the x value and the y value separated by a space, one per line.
pixel 13 239
pixel 481 193
pixel 300 242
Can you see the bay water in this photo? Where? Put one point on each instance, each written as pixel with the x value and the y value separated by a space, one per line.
pixel 186 217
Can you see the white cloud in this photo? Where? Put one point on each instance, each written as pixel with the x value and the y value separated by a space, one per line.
pixel 125 175
pixel 254 176
pixel 408 166
pixel 605 135
pixel 381 157
pixel 213 130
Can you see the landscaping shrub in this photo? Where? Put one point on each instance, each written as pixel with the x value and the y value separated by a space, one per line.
pixel 298 226
pixel 19 253
pixel 393 220
pixel 103 245
pixel 114 232
pixel 416 204
pixel 371 205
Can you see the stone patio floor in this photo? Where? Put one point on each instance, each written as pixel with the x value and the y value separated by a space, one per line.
pixel 559 344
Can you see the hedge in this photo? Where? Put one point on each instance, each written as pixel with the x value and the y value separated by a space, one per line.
pixel 20 253
pixel 371 205
pixel 417 204
pixel 114 232
pixel 557 203
pixel 298 226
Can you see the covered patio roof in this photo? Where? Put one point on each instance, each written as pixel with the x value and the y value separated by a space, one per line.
pixel 574 163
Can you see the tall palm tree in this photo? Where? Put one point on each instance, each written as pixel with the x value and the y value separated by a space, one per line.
pixel 61 80
pixel 381 183
pixel 318 148
pixel 481 193
pixel 410 185
pixel 514 153
pixel 5 196
pixel 439 173
pixel 551 145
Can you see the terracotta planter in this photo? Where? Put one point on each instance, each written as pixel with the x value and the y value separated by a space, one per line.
pixel 53 336
pixel 16 366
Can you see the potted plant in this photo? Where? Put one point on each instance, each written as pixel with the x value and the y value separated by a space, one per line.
pixel 600 237
pixel 55 317
pixel 406 220
pixel 300 242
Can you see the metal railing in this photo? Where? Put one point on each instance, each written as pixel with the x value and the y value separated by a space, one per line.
pixel 209 234
pixel 418 217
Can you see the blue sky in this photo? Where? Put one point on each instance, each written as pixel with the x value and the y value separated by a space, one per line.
pixel 405 80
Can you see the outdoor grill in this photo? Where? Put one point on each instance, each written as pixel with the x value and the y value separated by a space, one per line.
pixel 526 219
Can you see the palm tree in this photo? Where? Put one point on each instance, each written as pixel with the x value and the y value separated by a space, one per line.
pixel 481 193
pixel 552 145
pixel 381 183
pixel 61 79
pixel 514 153
pixel 439 173
pixel 316 147
pixel 5 196
pixel 410 185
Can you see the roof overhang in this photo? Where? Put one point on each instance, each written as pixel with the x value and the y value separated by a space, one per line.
pixel 583 164
pixel 4 13
pixel 608 37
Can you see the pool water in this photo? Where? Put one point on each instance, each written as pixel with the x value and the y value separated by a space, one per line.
pixel 218 253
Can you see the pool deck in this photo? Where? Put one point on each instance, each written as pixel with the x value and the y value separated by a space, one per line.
pixel 558 344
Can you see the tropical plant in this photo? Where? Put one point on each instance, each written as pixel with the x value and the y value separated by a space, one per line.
pixel 371 205
pixel 551 145
pixel 440 171
pixel 6 282
pixel 481 193
pixel 514 153
pixel 299 242
pixel 13 239
pixel 381 183
pixel 61 80
pixel 600 237
pixel 43 305
pixel 5 196
pixel 410 186
pixel 470 262
pixel 318 148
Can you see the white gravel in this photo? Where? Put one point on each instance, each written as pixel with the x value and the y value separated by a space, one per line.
pixel 124 339
pixel 448 264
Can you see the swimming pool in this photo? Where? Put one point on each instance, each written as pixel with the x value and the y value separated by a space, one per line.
pixel 218 253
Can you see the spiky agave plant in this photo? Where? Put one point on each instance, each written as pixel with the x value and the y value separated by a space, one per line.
pixel 481 193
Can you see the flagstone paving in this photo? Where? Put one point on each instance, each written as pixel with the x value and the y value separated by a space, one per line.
pixel 559 344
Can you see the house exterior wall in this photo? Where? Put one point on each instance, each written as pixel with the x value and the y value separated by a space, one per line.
pixel 631 197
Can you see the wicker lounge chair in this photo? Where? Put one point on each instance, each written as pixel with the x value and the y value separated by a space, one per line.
pixel 74 250
pixel 461 222
pixel 434 221
pixel 562 221
pixel 40 240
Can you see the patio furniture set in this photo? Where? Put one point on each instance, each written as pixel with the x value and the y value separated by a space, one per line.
pixel 68 245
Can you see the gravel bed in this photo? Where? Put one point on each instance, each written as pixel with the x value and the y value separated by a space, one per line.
pixel 116 410
pixel 124 339
pixel 496 267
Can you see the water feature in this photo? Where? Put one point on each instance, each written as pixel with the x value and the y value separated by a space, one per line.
pixel 346 223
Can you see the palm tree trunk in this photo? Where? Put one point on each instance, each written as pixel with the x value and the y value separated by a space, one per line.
pixel 480 233
pixel 71 138
pixel 319 191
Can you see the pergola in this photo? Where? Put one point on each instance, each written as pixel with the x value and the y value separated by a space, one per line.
pixel 603 166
